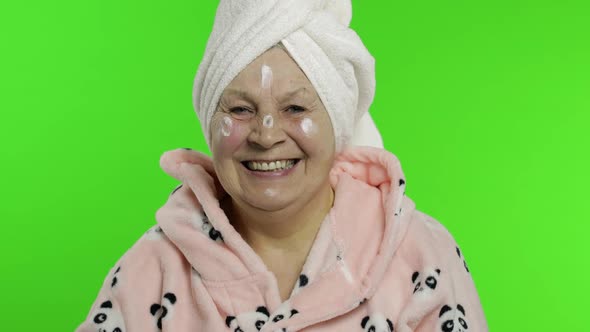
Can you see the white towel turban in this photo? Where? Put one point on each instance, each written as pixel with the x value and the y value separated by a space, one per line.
pixel 316 33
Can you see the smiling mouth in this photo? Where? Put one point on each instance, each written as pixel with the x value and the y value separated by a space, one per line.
pixel 270 166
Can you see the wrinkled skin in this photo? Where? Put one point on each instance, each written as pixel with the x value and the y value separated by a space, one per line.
pixel 258 118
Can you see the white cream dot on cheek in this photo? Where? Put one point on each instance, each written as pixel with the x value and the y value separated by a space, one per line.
pixel 226 126
pixel 266 77
pixel 308 126
pixel 268 121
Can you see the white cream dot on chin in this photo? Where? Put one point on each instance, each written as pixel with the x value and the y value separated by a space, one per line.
pixel 270 192
pixel 266 77
pixel 268 121
pixel 308 127
pixel 226 126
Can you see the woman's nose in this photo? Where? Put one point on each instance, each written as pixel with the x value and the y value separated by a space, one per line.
pixel 266 131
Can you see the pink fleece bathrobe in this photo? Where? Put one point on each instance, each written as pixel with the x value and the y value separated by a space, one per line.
pixel 377 263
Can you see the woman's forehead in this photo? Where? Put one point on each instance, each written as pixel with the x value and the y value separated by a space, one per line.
pixel 296 92
pixel 274 69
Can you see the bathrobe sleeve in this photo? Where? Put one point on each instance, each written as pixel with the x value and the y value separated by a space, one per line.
pixel 130 298
pixel 457 307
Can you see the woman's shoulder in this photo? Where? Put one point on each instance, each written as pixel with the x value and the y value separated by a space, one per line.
pixel 152 248
pixel 134 285
pixel 143 261
pixel 427 225
pixel 429 237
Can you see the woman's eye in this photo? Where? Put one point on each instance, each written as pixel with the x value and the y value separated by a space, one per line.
pixel 295 109
pixel 241 113
pixel 239 110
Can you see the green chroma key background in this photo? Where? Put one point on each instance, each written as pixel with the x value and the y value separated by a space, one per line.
pixel 486 104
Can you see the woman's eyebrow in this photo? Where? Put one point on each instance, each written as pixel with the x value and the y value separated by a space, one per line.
pixel 294 92
pixel 239 93
pixel 246 96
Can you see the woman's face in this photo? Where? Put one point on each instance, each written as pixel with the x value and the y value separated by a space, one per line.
pixel 272 139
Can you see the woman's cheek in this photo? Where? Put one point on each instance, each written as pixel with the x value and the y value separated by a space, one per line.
pixel 230 133
pixel 308 127
pixel 315 134
pixel 305 132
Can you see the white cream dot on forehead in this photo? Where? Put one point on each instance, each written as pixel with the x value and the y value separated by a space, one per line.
pixel 266 77
pixel 226 126
pixel 268 121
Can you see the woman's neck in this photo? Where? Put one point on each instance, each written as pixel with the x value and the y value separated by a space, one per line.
pixel 290 230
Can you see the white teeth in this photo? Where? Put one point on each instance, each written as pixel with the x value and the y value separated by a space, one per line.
pixel 277 165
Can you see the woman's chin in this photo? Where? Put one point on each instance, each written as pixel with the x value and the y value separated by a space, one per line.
pixel 270 201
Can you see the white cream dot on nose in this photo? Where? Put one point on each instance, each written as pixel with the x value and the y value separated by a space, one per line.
pixel 268 121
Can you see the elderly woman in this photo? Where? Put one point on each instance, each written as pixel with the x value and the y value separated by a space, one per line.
pixel 292 225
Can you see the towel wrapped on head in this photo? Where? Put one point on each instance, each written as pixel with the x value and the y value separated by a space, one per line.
pixel 317 36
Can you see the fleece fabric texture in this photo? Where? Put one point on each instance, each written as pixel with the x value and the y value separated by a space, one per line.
pixel 376 264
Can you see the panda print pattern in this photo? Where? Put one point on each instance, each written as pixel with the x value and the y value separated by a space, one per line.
pixel 176 189
pixel 377 322
pixel 407 277
pixel 161 311
pixel 452 319
pixel 426 280
pixel 154 233
pixel 401 183
pixel 461 257
pixel 201 222
pixel 284 312
pixel 108 319
pixel 115 280
pixel 208 229
pixel 302 281
pixel 248 322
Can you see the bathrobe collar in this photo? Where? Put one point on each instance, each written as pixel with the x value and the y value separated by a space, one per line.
pixel 351 252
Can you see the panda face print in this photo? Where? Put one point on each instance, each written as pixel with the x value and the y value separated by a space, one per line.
pixel 452 319
pixel 377 322
pixel 163 310
pixel 427 280
pixel 283 312
pixel 107 319
pixel 248 322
